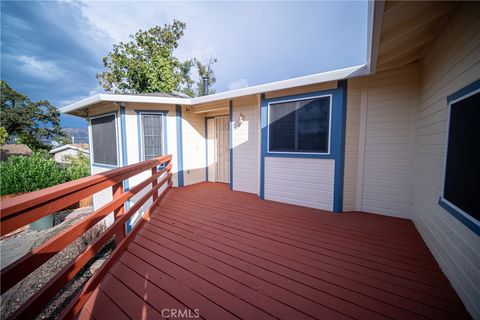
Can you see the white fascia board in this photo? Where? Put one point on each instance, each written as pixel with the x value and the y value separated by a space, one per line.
pixel 338 74
pixel 122 98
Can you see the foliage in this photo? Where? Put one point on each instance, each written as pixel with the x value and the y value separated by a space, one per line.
pixel 26 121
pixel 147 64
pixel 3 136
pixel 20 174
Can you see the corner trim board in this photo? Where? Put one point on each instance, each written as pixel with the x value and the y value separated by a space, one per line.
pixel 178 109
pixel 231 142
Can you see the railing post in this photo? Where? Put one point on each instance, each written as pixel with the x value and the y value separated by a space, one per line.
pixel 117 191
pixel 154 183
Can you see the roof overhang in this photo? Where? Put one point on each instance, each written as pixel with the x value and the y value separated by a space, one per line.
pixel 65 147
pixel 375 13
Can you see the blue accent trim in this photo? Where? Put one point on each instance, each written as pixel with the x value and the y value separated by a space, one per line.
pixel 263 142
pixel 460 216
pixel 231 143
pixel 464 91
pixel 179 145
pixel 123 131
pixel 337 138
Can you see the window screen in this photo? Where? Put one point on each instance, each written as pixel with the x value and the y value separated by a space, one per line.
pixel 462 175
pixel 152 127
pixel 104 140
pixel 300 126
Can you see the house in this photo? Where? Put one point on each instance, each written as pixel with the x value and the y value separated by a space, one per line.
pixel 9 150
pixel 62 153
pixel 370 138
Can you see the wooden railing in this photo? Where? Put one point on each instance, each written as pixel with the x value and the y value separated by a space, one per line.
pixel 24 209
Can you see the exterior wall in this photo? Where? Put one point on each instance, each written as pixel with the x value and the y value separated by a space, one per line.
pixel 352 131
pixel 452 62
pixel 307 182
pixel 388 149
pixel 194 152
pixel 379 142
pixel 246 150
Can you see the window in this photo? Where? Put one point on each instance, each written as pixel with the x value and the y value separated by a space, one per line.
pixel 104 140
pixel 300 126
pixel 152 135
pixel 462 168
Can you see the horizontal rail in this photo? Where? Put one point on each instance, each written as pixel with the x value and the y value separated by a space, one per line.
pixel 24 209
pixel 41 203
pixel 15 272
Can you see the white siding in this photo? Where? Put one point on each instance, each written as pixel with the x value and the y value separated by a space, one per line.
pixel 352 130
pixel 194 158
pixel 452 63
pixel 63 155
pixel 246 145
pixel 300 181
pixel 386 187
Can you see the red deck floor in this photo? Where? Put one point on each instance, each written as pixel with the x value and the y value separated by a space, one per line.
pixel 231 255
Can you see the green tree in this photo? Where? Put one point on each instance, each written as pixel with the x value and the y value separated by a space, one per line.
pixel 3 136
pixel 27 121
pixel 147 64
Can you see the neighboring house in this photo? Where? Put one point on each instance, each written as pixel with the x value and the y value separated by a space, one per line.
pixel 63 153
pixel 15 150
pixel 369 138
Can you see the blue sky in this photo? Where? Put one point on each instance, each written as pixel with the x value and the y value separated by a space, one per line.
pixel 52 50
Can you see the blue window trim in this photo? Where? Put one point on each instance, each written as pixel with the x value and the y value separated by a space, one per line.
pixel 459 214
pixel 337 138
pixel 164 113
pixel 231 142
pixel 178 109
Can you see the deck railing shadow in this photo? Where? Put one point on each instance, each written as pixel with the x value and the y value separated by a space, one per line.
pixel 25 209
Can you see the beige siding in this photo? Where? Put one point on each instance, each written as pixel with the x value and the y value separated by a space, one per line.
pixel 194 158
pixel 300 181
pixel 351 143
pixel 246 145
pixel 452 62
pixel 386 186
pixel 211 149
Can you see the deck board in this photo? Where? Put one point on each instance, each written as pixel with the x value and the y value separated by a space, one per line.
pixel 233 256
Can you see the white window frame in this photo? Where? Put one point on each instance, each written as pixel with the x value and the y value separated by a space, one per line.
pixel 442 196
pixel 140 132
pixel 117 140
pixel 330 96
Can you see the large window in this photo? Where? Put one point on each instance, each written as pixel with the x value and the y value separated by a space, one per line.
pixel 462 169
pixel 104 140
pixel 152 135
pixel 301 126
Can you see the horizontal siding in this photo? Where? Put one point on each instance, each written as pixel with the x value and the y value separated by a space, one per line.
pixel 300 181
pixel 354 95
pixel 452 62
pixel 193 130
pixel 386 187
pixel 246 145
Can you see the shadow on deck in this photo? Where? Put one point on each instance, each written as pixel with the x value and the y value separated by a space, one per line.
pixel 211 253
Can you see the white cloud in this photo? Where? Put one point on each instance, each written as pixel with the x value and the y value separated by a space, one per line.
pixel 237 84
pixel 40 69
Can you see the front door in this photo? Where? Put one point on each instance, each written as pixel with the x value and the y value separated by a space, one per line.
pixel 222 149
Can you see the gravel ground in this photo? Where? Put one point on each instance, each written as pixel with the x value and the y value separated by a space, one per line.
pixel 20 293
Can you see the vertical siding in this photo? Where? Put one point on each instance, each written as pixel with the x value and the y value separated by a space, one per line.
pixel 300 181
pixel 211 149
pixel 351 144
pixel 388 150
pixel 193 126
pixel 452 62
pixel 246 145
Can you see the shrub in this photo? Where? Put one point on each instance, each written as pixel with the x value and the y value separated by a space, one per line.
pixel 21 174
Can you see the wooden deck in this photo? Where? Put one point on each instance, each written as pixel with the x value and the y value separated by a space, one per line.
pixel 231 255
